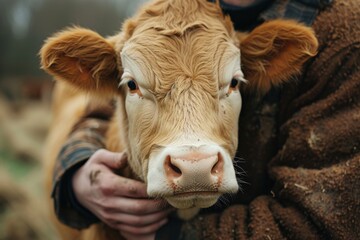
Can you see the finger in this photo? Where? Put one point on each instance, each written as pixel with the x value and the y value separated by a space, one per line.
pixel 112 185
pixel 152 228
pixel 126 187
pixel 139 221
pixel 114 160
pixel 138 207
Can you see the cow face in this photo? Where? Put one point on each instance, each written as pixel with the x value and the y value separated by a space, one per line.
pixel 176 72
pixel 182 102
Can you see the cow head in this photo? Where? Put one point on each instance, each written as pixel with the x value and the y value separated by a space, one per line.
pixel 176 69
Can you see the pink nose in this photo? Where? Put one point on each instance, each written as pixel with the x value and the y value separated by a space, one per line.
pixel 195 171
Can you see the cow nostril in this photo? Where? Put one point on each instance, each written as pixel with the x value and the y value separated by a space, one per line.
pixel 218 166
pixel 171 168
pixel 175 168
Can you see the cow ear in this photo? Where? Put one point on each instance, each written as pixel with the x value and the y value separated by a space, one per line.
pixel 275 51
pixel 83 58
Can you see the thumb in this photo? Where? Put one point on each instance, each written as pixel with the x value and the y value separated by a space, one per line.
pixel 114 160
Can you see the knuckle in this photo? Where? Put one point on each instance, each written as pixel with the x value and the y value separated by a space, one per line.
pixel 104 203
pixel 107 208
pixel 137 207
pixel 101 151
pixel 106 217
pixel 131 189
pixel 97 155
pixel 137 220
pixel 106 188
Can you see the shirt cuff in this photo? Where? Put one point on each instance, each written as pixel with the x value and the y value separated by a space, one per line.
pixel 68 210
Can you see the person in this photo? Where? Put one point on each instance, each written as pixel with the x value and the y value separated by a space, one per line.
pixel 300 144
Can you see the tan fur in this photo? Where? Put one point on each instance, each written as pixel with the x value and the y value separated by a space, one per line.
pixel 181 45
pixel 275 51
pixel 73 54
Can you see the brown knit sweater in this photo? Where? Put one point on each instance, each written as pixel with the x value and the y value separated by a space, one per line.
pixel 300 148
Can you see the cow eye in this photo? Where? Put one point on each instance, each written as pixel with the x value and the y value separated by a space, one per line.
pixel 234 83
pixel 132 85
pixel 234 86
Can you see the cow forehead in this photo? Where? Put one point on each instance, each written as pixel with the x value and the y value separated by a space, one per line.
pixel 180 39
pixel 196 54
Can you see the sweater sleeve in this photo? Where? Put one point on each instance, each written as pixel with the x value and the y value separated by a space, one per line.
pixel 316 169
pixel 86 138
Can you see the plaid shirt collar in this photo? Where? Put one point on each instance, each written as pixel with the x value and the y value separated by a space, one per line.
pixel 304 11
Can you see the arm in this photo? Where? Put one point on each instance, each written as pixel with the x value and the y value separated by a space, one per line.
pixel 86 189
pixel 85 139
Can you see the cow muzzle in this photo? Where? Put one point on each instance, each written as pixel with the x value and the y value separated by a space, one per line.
pixel 191 176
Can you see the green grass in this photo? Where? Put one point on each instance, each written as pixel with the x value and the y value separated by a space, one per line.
pixel 16 167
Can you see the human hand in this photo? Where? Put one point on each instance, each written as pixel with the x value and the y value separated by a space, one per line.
pixel 120 202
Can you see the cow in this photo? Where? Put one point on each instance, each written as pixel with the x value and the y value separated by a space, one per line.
pixel 176 71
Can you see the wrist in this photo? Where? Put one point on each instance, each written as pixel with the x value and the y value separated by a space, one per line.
pixel 74 175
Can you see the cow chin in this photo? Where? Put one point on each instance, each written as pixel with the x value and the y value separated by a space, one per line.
pixel 193 200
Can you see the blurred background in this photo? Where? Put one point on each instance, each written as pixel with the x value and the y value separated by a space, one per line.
pixel 25 99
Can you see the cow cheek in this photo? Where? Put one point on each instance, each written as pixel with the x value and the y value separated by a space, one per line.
pixel 140 112
pixel 230 108
pixel 236 104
